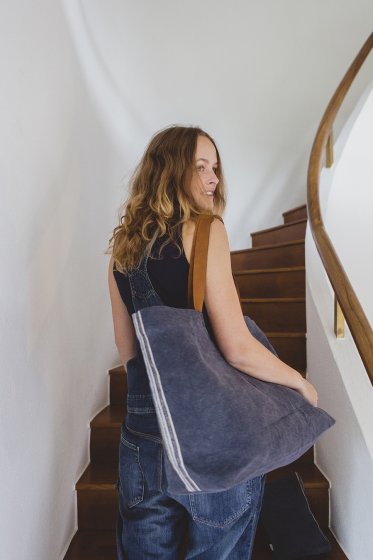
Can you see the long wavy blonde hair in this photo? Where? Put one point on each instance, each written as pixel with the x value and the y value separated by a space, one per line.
pixel 159 199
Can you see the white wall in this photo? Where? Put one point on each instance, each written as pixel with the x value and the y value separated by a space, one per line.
pixel 349 213
pixel 256 75
pixel 84 86
pixel 345 453
pixel 59 176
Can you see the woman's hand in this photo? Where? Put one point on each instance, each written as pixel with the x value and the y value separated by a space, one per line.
pixel 308 391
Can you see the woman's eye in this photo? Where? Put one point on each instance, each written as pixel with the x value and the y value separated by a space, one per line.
pixel 202 168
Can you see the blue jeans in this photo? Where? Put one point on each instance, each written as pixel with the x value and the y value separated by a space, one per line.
pixel 153 523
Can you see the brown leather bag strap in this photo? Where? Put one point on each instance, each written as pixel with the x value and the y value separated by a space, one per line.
pixel 198 261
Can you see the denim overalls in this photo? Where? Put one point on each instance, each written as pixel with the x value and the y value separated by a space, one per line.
pixel 152 523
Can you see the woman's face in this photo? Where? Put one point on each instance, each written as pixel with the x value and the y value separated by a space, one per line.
pixel 204 180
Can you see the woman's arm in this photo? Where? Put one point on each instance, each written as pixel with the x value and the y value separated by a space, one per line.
pixel 124 331
pixel 235 341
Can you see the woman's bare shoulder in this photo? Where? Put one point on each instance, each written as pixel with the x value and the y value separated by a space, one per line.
pixel 218 237
pixel 188 228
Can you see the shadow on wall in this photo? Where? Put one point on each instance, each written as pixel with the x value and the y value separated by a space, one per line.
pixel 113 106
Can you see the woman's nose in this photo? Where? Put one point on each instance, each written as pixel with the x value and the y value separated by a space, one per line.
pixel 213 178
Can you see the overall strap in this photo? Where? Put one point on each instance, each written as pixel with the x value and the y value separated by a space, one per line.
pixel 198 261
pixel 142 290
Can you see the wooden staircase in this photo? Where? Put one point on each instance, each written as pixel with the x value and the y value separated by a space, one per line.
pixel 271 280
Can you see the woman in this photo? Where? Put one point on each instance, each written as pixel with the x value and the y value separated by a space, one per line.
pixel 180 176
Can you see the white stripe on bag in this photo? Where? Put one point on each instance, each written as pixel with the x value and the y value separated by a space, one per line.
pixel 166 423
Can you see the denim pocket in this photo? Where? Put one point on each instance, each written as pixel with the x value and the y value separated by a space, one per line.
pixel 219 509
pixel 131 476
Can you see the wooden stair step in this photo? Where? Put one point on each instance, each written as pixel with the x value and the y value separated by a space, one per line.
pixel 109 416
pixel 290 347
pixel 100 545
pixel 118 385
pixel 97 509
pixel 271 282
pixel 278 234
pixel 306 458
pixel 311 476
pixel 92 545
pixel 290 253
pixel 105 433
pixel 98 477
pixel 117 369
pixel 295 214
pixel 97 497
pixel 276 314
pixel 119 381
pixel 98 500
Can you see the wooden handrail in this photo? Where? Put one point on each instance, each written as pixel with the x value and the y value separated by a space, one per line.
pixel 356 319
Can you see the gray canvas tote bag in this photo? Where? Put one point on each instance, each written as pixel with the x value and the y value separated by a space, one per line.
pixel 219 426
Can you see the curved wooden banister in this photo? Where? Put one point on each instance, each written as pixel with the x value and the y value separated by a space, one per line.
pixel 358 323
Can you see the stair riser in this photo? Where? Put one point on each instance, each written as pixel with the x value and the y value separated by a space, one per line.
pixel 272 284
pixel 277 316
pixel 279 235
pixel 296 214
pixel 274 257
pixel 104 445
pixel 291 350
pixel 93 545
pixel 97 510
pixel 319 505
pixel 118 388
pixel 306 459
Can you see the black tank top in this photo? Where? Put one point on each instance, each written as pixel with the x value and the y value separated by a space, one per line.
pixel 169 276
